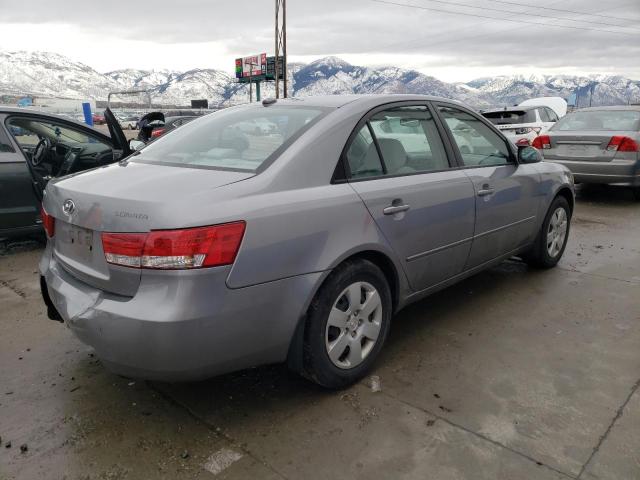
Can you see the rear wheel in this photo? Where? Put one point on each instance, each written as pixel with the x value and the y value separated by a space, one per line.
pixel 552 238
pixel 347 324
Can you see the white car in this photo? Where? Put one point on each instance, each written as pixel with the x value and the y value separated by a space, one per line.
pixel 128 123
pixel 523 123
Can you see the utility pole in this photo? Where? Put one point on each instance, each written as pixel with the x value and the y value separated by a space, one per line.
pixel 281 45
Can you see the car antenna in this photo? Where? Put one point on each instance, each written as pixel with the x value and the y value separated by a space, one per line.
pixel 269 101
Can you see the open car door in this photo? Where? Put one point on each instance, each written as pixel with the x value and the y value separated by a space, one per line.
pixel 121 147
pixel 55 147
pixel 147 123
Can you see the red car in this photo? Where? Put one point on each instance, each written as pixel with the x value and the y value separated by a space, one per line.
pixel 98 119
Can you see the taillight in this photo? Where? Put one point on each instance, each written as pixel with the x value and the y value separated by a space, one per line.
pixel 175 249
pixel 620 143
pixel 157 132
pixel 542 141
pixel 48 222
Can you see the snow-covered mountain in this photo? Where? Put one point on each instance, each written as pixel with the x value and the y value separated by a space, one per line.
pixel 50 74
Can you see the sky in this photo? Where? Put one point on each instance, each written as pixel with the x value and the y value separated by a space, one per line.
pixel 453 40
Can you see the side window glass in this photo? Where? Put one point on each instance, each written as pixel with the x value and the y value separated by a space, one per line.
pixel 477 143
pixel 409 140
pixel 5 144
pixel 553 116
pixel 362 155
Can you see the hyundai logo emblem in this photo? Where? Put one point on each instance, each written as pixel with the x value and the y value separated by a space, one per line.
pixel 68 207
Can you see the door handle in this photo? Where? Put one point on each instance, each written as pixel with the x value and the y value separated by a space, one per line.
pixel 395 209
pixel 485 190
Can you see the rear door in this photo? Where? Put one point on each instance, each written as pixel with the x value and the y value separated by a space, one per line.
pixel 506 194
pixel 399 165
pixel 19 208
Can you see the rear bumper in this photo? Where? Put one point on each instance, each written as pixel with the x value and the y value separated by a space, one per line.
pixel 181 326
pixel 622 172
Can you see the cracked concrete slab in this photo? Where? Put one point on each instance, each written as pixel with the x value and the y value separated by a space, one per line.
pixel 619 454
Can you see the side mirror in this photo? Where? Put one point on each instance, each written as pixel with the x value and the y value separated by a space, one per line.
pixel 527 154
pixel 136 145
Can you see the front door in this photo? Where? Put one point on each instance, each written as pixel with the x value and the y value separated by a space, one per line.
pixel 54 147
pixel 506 192
pixel 19 208
pixel 399 166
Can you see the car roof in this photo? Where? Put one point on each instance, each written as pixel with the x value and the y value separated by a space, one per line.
pixel 631 108
pixel 524 108
pixel 337 101
pixel 68 117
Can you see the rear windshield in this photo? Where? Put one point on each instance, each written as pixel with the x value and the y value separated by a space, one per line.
pixel 242 139
pixel 609 120
pixel 512 116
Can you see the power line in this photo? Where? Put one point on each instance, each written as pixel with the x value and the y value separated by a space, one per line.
pixel 573 27
pixel 458 39
pixel 567 11
pixel 466 5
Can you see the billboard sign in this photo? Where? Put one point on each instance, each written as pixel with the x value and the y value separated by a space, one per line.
pixel 253 66
pixel 271 68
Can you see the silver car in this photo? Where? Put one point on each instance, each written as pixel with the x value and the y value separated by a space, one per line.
pixel 599 145
pixel 212 250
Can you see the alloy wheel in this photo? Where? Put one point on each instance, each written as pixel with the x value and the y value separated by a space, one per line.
pixel 353 325
pixel 557 232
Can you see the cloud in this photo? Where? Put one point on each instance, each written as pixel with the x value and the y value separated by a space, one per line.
pixel 206 33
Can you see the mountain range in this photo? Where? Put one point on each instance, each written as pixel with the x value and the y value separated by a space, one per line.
pixel 50 74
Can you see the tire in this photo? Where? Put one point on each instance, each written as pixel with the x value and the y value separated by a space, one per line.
pixel 636 193
pixel 544 254
pixel 347 363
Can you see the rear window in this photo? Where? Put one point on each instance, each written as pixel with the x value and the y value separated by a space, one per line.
pixel 608 120
pixel 242 139
pixel 506 117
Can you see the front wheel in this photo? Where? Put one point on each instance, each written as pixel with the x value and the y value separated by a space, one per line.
pixel 347 324
pixel 552 238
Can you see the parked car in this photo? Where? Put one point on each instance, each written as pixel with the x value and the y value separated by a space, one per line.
pixel 98 119
pixel 211 250
pixel 128 122
pixel 170 123
pixel 598 145
pixel 36 147
pixel 522 124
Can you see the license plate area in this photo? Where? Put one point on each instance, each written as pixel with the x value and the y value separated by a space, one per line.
pixel 81 237
pixel 577 150
pixel 75 242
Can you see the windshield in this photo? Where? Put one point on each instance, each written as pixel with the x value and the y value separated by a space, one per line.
pixel 508 117
pixel 608 120
pixel 236 139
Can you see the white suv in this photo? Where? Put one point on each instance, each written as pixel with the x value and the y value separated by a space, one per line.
pixel 522 124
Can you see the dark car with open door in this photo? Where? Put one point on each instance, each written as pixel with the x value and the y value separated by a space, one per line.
pixel 36 147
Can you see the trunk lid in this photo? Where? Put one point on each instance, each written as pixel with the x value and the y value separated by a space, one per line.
pixel 123 197
pixel 589 146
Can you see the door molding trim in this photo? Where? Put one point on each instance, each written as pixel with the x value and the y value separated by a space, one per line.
pixel 503 227
pixel 466 240
pixel 438 249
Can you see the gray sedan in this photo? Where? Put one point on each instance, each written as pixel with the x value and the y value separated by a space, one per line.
pixel 217 248
pixel 599 145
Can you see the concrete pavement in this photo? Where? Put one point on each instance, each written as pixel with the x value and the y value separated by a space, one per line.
pixel 512 374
